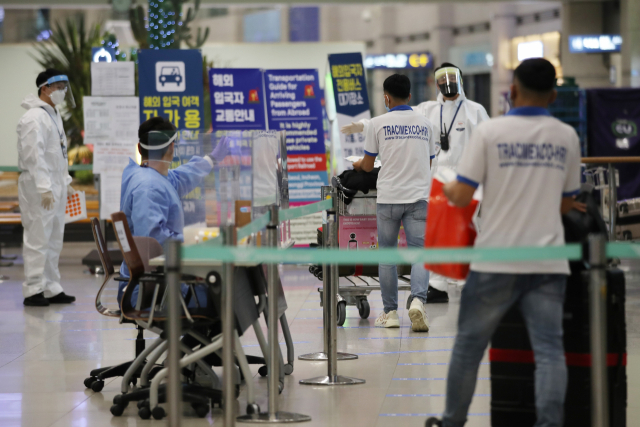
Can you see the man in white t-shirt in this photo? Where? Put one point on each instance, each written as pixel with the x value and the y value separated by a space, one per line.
pixel 404 141
pixel 454 118
pixel 529 166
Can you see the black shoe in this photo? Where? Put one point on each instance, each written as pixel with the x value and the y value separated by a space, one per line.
pixel 37 300
pixel 433 422
pixel 435 296
pixel 61 298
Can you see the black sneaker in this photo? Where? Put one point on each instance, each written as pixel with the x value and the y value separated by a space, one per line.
pixel 61 298
pixel 435 296
pixel 433 422
pixel 37 300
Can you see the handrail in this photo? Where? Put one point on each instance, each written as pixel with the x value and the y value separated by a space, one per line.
pixel 612 159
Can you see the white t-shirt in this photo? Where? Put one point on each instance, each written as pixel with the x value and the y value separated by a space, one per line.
pixel 404 140
pixel 527 162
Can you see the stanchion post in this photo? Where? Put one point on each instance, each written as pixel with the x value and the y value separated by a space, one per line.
pixel 598 327
pixel 273 362
pixel 331 302
pixel 613 202
pixel 326 274
pixel 228 336
pixel 174 388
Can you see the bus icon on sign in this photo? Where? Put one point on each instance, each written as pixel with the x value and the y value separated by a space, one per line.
pixel 170 76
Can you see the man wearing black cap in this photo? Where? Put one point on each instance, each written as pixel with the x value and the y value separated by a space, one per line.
pixel 43 187
pixel 151 193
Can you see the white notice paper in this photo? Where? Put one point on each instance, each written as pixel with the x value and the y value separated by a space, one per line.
pixel 111 125
pixel 113 79
pixel 110 185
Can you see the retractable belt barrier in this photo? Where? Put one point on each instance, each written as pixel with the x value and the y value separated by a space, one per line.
pixel 595 253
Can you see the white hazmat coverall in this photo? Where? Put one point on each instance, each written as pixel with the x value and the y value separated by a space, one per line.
pixel 470 115
pixel 42 158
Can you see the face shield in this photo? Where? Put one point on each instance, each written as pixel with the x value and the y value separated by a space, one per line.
pixel 161 154
pixel 449 81
pixel 60 91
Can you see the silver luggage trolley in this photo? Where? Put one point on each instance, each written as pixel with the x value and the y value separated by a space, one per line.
pixel 358 231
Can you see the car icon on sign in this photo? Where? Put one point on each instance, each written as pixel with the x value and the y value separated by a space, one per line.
pixel 170 75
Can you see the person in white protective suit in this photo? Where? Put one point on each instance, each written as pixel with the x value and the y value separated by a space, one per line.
pixel 43 187
pixel 454 118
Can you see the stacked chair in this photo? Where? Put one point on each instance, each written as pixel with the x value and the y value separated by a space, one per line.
pixel 200 324
pixel 96 378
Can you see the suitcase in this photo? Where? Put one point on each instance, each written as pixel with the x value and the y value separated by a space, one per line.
pixel 628 220
pixel 512 361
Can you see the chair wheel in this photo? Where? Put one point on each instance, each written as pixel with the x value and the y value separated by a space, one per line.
pixel 342 312
pixel 288 369
pixel 158 413
pixel 253 408
pixel 144 413
pixel 433 422
pixel 280 387
pixel 263 371
pixel 142 403
pixel 201 410
pixel 117 410
pixel 364 309
pixel 117 400
pixel 89 381
pixel 97 386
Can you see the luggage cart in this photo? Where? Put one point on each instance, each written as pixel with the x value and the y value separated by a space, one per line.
pixel 360 213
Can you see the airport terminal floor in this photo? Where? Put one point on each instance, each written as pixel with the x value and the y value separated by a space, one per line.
pixel 45 354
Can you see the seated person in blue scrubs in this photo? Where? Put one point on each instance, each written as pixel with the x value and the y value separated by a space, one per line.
pixel 151 193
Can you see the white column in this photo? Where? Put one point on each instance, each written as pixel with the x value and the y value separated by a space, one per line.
pixel 384 42
pixel 589 70
pixel 630 26
pixel 503 29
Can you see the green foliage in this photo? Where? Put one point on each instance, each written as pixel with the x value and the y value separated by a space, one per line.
pixel 69 50
pixel 84 177
pixel 166 27
pixel 137 18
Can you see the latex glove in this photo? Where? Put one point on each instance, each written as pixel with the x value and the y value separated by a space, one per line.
pixel 70 190
pixel 354 127
pixel 47 200
pixel 445 175
pixel 221 150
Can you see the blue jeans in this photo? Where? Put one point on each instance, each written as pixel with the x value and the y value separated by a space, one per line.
pixel 486 297
pixel 413 216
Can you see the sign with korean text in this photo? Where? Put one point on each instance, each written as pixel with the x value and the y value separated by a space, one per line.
pixel 170 85
pixel 294 105
pixel 351 100
pixel 237 99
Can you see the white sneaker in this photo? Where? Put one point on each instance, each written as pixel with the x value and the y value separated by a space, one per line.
pixel 388 320
pixel 419 319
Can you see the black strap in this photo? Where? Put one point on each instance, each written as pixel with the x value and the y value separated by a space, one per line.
pixel 452 121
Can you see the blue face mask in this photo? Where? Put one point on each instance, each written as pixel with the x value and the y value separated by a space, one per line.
pixel 386 107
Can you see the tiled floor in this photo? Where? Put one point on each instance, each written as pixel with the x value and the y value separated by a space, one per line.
pixel 45 354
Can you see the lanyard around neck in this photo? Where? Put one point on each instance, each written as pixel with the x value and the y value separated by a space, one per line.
pixel 60 134
pixel 452 121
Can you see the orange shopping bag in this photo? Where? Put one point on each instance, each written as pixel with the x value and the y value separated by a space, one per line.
pixel 448 227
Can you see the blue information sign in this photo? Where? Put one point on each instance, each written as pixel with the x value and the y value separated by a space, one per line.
pixel 170 85
pixel 237 99
pixel 294 105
